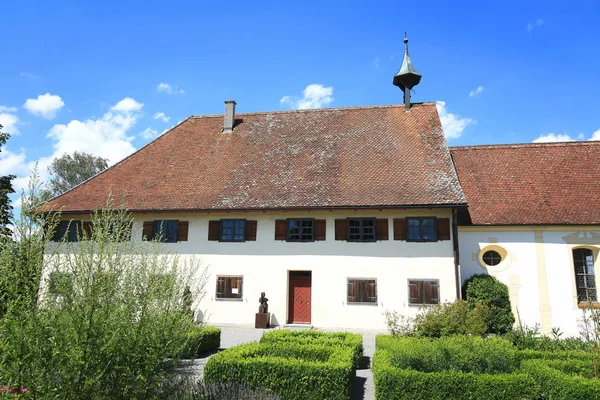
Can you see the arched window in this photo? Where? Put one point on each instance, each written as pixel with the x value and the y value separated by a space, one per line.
pixel 583 259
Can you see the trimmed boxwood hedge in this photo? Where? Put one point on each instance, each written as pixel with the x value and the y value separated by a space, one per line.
pixel 201 339
pixel 290 370
pixel 558 379
pixel 346 339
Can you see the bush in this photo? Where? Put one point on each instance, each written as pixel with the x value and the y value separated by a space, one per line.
pixel 555 355
pixel 529 339
pixel 345 339
pixel 552 383
pixel 454 353
pixel 292 371
pixel 185 389
pixel 456 318
pixel 392 383
pixel 494 294
pixel 201 339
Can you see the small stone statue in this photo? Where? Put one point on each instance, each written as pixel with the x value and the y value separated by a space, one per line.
pixel 264 307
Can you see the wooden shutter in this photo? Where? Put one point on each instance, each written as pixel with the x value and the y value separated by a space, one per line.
pixel 182 231
pixel 371 290
pixel 280 229
pixel 400 229
pixel 220 287
pixel 341 229
pixel 382 229
pixel 320 229
pixel 415 292
pixel 352 290
pixel 148 232
pixel 431 292
pixel 443 228
pixel 214 230
pixel 86 229
pixel 251 230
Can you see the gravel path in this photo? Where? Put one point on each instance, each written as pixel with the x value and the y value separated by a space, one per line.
pixel 232 335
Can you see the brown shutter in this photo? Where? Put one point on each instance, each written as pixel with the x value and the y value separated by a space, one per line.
pixel 220 287
pixel 86 229
pixel 148 231
pixel 320 229
pixel 414 292
pixel 280 229
pixel 432 292
pixel 182 231
pixel 443 228
pixel 400 229
pixel 382 229
pixel 251 230
pixel 214 230
pixel 352 283
pixel 341 226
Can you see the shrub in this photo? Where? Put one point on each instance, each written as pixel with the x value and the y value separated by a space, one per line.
pixel 525 338
pixel 452 319
pixel 552 383
pixel 454 353
pixel 392 383
pixel 289 370
pixel 185 389
pixel 494 294
pixel 201 339
pixel 345 339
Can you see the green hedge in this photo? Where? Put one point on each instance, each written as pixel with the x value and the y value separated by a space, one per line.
pixel 392 383
pixel 554 355
pixel 201 339
pixel 553 383
pixel 452 353
pixel 292 371
pixel 352 340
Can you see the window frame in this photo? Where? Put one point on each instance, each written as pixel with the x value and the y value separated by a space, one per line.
pixel 157 232
pixel 420 239
pixel 359 302
pixel 233 221
pixel 229 298
pixel 493 257
pixel 66 231
pixel 361 229
pixel 586 276
pixel 288 233
pixel 408 283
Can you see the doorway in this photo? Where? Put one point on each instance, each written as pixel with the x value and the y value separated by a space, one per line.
pixel 300 285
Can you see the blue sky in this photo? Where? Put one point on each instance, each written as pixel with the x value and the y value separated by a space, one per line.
pixel 106 77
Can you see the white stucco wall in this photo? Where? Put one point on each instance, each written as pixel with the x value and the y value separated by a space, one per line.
pixel 538 269
pixel 265 265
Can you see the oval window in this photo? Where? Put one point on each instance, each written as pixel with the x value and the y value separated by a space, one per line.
pixel 491 258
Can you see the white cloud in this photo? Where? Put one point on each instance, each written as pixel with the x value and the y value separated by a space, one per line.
pixel 28 75
pixel 536 24
pixel 8 109
pixel 314 96
pixel 376 63
pixel 553 137
pixel 596 135
pixel 476 92
pixel 161 116
pixel 149 133
pixel 127 105
pixel 46 105
pixel 453 124
pixel 168 89
pixel 9 121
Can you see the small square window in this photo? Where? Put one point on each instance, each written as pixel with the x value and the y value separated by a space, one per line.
pixel 421 229
pixel 233 230
pixel 423 291
pixel 66 230
pixel 361 290
pixel 165 231
pixel 230 287
pixel 300 230
pixel 361 229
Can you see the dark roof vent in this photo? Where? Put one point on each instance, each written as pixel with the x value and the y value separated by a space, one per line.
pixel 407 76
pixel 229 116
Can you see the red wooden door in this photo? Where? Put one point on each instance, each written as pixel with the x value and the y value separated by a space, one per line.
pixel 300 299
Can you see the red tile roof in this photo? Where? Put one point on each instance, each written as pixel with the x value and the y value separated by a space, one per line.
pixel 549 183
pixel 325 158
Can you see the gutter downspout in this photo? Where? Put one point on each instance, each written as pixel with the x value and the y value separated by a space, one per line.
pixel 456 252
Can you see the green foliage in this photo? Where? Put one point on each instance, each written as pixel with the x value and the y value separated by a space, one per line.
pixel 529 339
pixel 557 380
pixel 292 371
pixel 69 171
pixel 309 337
pixel 393 383
pixel 201 339
pixel 6 188
pixel 488 290
pixel 456 318
pixel 185 389
pixel 108 332
pixel 453 353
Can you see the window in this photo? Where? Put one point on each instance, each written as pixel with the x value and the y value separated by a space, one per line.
pixel 232 230
pixel 165 231
pixel 491 258
pixel 421 230
pixel 583 260
pixel 422 292
pixel 300 230
pixel 230 287
pixel 66 230
pixel 362 290
pixel 361 229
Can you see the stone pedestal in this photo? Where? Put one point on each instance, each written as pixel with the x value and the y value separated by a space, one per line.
pixel 262 320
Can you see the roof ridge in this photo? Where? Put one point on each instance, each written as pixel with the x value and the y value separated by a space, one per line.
pixel 323 109
pixel 525 145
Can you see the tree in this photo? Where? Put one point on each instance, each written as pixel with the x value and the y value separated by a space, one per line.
pixel 494 294
pixel 69 171
pixel 6 188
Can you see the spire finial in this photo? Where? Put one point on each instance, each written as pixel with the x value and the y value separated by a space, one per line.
pixel 407 76
pixel 405 40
